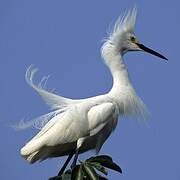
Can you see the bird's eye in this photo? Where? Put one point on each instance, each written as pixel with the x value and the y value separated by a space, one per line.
pixel 133 39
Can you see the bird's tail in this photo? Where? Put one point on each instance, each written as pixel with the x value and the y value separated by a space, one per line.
pixel 31 151
pixel 31 158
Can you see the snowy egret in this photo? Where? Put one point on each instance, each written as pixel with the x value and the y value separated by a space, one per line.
pixel 76 126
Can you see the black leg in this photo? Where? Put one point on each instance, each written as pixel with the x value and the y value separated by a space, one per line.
pixel 65 164
pixel 75 159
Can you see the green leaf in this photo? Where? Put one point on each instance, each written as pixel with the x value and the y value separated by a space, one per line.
pixel 98 166
pixel 77 173
pixel 66 175
pixel 55 178
pixel 90 171
pixel 69 171
pixel 99 158
pixel 105 161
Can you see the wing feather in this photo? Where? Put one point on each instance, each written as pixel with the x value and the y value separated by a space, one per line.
pixel 99 115
pixel 103 120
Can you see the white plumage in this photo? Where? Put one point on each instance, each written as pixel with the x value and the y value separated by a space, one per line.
pixel 86 123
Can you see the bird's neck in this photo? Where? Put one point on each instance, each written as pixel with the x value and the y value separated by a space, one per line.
pixel 122 91
pixel 119 73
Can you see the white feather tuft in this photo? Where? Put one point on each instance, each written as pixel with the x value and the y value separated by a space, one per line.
pixel 132 105
pixel 58 103
pixel 38 122
pixel 125 23
pixel 51 99
pixel 123 26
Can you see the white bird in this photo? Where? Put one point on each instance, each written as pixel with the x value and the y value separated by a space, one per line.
pixel 76 126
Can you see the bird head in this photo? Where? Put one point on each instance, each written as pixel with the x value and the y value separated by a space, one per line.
pixel 122 39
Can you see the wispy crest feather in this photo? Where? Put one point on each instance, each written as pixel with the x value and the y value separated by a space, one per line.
pixel 125 23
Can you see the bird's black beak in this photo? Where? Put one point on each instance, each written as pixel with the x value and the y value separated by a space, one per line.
pixel 146 49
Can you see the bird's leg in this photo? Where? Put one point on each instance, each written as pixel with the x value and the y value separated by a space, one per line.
pixel 75 158
pixel 66 163
pixel 79 144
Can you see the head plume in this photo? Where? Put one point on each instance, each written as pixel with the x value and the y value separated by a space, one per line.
pixel 124 24
pixel 118 37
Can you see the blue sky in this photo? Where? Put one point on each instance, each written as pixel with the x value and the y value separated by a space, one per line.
pixel 63 39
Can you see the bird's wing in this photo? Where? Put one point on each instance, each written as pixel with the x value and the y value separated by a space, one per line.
pixel 77 122
pixel 73 126
pixel 99 115
pixel 53 100
pixel 102 120
pixel 49 124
